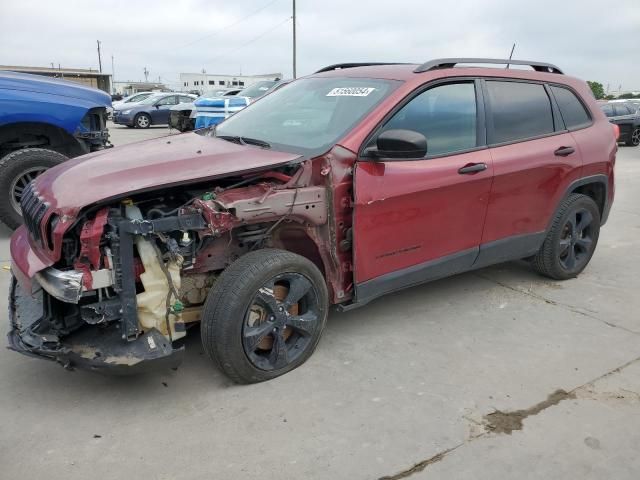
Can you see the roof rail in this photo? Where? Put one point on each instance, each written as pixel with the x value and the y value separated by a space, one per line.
pixel 339 66
pixel 452 62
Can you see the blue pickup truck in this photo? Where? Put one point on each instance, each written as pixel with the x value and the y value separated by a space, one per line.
pixel 43 122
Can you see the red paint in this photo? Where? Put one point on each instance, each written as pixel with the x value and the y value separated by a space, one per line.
pixel 410 212
pixel 90 236
pixel 26 261
pixel 529 181
pixel 399 213
pixel 150 164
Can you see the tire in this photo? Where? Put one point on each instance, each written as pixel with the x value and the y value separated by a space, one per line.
pixel 16 170
pixel 142 120
pixel 250 329
pixel 634 140
pixel 572 239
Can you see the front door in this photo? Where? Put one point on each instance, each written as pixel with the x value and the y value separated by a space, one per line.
pixel 160 115
pixel 421 219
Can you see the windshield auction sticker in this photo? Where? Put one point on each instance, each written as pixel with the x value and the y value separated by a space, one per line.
pixel 350 92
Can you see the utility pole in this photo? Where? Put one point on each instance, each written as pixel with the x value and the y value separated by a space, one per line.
pixel 146 74
pixel 113 77
pixel 99 57
pixel 294 39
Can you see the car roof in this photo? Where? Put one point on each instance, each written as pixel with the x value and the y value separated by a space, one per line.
pixel 406 72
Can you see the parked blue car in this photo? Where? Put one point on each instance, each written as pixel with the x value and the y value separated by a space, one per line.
pixel 43 122
pixel 153 110
pixel 212 111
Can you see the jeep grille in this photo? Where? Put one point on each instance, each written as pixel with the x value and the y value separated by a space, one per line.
pixel 33 211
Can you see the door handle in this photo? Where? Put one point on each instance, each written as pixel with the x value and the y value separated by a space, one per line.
pixel 564 151
pixel 472 168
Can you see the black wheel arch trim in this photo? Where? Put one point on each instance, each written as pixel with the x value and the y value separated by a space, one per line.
pixel 599 178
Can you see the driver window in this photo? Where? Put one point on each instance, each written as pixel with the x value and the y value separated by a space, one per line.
pixel 168 101
pixel 445 115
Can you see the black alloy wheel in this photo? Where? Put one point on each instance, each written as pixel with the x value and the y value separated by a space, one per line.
pixel 264 315
pixel 281 321
pixel 576 239
pixel 571 240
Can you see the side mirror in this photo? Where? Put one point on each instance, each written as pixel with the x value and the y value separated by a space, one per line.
pixel 399 144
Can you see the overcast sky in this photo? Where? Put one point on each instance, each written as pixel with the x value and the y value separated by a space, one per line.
pixel 594 40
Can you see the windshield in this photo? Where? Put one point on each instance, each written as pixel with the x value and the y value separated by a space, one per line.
pixel 257 89
pixel 137 98
pixel 152 99
pixel 309 115
pixel 213 93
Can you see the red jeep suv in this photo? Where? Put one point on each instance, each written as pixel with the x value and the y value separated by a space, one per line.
pixel 340 187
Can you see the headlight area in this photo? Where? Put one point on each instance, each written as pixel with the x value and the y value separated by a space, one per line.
pixel 93 131
pixel 133 276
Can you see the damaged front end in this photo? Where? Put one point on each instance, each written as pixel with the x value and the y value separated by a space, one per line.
pixel 133 275
pixel 37 331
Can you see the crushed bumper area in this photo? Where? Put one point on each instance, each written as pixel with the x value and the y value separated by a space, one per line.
pixel 92 347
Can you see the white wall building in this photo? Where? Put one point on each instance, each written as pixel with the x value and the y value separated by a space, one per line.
pixel 210 81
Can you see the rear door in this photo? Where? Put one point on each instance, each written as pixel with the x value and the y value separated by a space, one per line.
pixel 416 220
pixel 535 158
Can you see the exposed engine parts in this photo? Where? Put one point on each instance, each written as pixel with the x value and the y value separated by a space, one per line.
pixel 148 262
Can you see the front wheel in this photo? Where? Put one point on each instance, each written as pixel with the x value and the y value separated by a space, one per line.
pixel 17 170
pixel 264 315
pixel 572 239
pixel 142 120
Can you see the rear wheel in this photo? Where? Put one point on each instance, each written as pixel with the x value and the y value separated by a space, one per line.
pixel 634 141
pixel 142 120
pixel 572 239
pixel 17 170
pixel 265 315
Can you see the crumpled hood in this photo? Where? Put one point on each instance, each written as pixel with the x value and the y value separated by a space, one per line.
pixel 148 165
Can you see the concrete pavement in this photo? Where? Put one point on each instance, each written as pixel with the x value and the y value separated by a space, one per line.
pixel 400 388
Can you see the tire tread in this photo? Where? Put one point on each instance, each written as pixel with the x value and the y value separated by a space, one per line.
pixel 229 291
pixel 545 261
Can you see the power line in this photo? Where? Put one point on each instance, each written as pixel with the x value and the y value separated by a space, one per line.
pixel 223 29
pixel 255 39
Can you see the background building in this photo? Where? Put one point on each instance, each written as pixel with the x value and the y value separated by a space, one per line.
pixel 209 81
pixel 129 88
pixel 88 77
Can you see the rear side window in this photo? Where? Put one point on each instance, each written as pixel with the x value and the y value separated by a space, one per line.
pixel 622 110
pixel 572 111
pixel 518 111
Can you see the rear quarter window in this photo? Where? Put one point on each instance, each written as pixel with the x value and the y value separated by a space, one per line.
pixel 571 108
pixel 623 110
pixel 519 110
pixel 608 110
